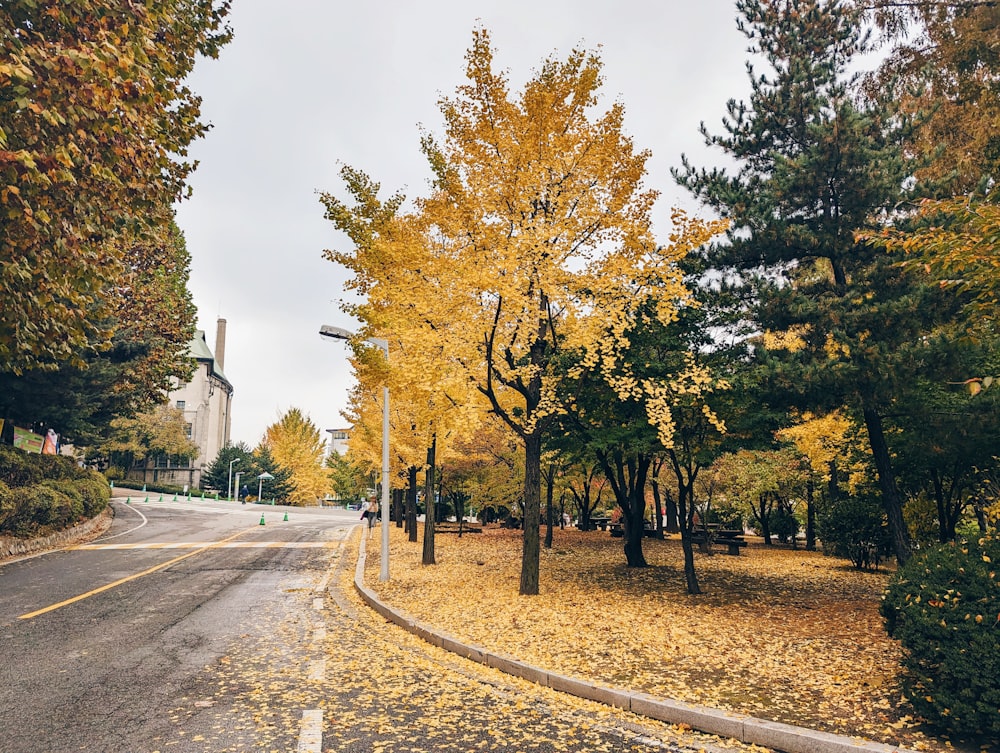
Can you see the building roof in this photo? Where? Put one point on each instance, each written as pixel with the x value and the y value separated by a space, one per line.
pixel 199 350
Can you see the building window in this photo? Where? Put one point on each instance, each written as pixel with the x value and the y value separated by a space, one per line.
pixel 180 406
pixel 188 429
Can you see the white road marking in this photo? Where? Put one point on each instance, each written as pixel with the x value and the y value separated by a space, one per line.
pixel 311 731
pixel 317 670
pixel 197 544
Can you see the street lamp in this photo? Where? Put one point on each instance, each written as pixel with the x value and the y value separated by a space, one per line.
pixel 260 485
pixel 229 492
pixel 338 333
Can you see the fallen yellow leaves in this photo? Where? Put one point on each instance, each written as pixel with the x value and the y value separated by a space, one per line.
pixel 790 636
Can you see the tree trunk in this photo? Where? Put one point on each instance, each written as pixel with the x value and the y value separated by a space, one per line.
pixel 887 483
pixel 398 497
pixel 687 523
pixel 673 516
pixel 550 483
pixel 411 504
pixel 635 515
pixel 530 550
pixel 429 506
pixel 658 509
pixel 810 517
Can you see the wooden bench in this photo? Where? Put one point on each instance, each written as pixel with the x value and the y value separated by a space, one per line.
pixel 732 540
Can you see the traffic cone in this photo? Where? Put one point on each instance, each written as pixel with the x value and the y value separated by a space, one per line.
pixel 144 487
pixel 175 498
pixel 161 498
pixel 128 500
pixel 146 499
pixel 286 517
pixel 262 518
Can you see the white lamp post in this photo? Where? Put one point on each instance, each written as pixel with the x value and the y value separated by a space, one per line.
pixel 260 485
pixel 229 492
pixel 342 334
pixel 237 487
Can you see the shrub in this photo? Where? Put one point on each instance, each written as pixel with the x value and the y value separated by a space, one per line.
pixel 17 467
pixel 38 509
pixel 74 496
pixel 855 529
pixel 944 607
pixel 95 493
pixel 6 504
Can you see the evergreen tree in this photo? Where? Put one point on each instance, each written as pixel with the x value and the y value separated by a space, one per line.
pixel 217 477
pixel 841 322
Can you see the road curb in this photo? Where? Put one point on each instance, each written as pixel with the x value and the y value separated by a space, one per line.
pixel 742 727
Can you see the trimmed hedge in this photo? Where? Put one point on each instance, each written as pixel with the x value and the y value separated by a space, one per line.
pixel 944 607
pixel 44 493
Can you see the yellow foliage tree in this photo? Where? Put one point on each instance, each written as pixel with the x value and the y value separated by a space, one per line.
pixel 296 445
pixel 527 252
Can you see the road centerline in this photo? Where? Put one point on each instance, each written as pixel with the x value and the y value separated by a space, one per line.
pixel 135 576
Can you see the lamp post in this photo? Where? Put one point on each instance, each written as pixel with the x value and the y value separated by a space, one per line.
pixel 260 485
pixel 229 492
pixel 238 474
pixel 338 333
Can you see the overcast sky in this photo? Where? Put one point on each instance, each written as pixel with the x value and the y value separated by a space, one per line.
pixel 307 86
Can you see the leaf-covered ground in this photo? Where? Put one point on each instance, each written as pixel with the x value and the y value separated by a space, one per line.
pixel 791 636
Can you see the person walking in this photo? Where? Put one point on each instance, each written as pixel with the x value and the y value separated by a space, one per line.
pixel 371 512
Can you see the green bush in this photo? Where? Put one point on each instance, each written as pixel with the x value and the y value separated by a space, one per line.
pixel 855 529
pixel 95 494
pixel 44 493
pixel 74 496
pixel 37 510
pixel 6 504
pixel 944 607
pixel 19 468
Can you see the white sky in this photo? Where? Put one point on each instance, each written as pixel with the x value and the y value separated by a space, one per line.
pixel 308 86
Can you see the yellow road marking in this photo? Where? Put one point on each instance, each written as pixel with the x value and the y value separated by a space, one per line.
pixel 109 586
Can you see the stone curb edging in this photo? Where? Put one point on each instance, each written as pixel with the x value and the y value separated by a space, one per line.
pixel 742 727
pixel 11 546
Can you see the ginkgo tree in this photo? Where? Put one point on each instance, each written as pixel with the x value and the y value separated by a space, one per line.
pixel 535 235
pixel 296 445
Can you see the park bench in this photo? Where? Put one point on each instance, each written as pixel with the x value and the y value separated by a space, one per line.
pixel 600 522
pixel 732 539
pixel 618 530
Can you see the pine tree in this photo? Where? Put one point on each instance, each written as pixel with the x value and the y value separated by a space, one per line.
pixel 841 323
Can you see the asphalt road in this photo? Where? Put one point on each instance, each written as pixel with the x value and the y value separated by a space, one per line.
pixel 191 628
pixel 112 670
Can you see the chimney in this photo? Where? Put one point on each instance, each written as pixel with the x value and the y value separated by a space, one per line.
pixel 220 343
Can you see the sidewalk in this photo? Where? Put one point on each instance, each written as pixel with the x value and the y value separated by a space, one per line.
pixel 742 727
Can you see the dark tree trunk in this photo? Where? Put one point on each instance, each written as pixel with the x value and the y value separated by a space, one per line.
pixel 810 517
pixel 686 515
pixel 411 504
pixel 627 477
pixel 530 549
pixel 657 507
pixel 550 483
pixel 891 502
pixel 398 495
pixel 429 506
pixel 673 516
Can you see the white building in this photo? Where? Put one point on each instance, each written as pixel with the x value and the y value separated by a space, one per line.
pixel 338 441
pixel 206 402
